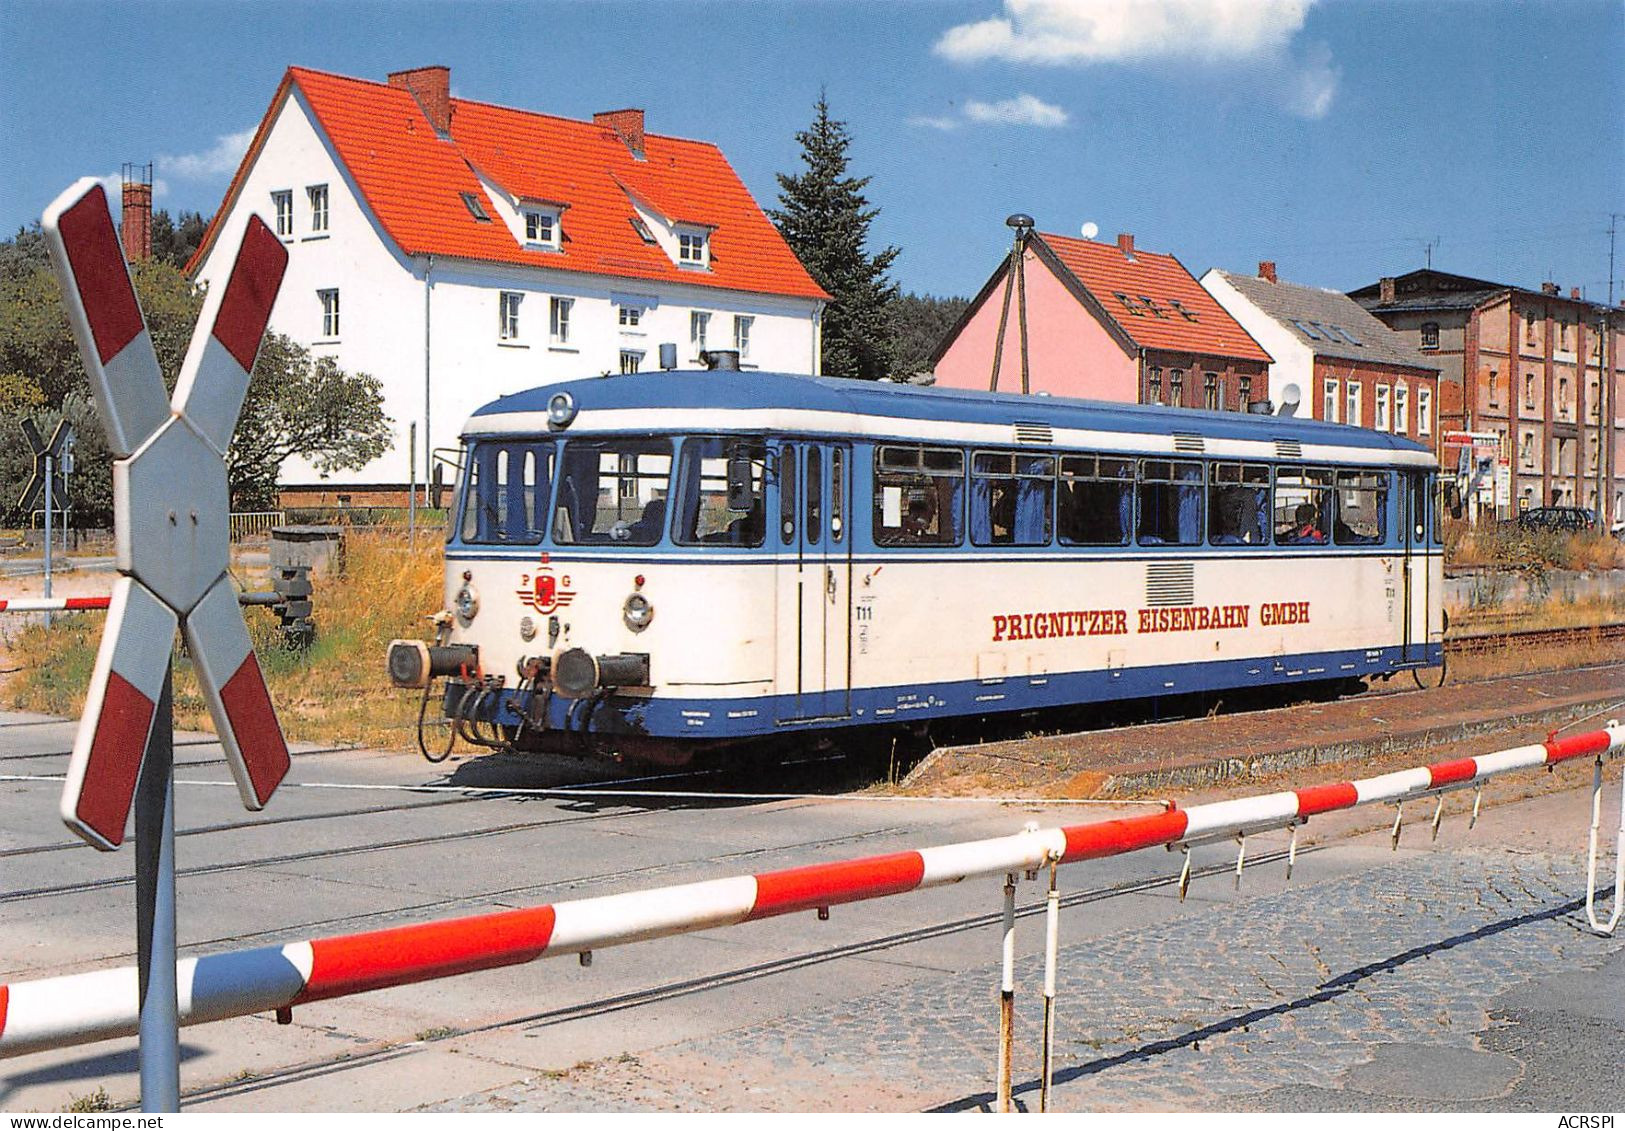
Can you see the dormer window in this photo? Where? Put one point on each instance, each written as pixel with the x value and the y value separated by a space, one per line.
pixel 693 249
pixel 541 227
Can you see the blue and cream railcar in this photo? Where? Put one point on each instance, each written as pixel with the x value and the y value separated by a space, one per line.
pixel 654 563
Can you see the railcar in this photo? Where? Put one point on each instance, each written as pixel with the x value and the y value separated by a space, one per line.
pixel 652 565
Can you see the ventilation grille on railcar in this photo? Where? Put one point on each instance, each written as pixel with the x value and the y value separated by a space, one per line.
pixel 1188 442
pixel 1170 583
pixel 1288 449
pixel 1031 432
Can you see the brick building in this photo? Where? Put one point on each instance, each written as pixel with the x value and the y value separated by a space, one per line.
pixel 1540 369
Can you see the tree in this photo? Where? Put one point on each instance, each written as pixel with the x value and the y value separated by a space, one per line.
pixel 174 242
pixel 825 219
pixel 919 323
pixel 301 405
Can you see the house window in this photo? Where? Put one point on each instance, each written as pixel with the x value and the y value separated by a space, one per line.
pixel 1152 307
pixel 1529 327
pixel 1430 335
pixel 1424 411
pixel 1526 450
pixel 742 324
pixel 691 249
pixel 1402 408
pixel 1305 330
pixel 541 228
pixel 1354 416
pixel 1495 392
pixel 1563 335
pixel 558 321
pixel 476 207
pixel 631 360
pixel 699 324
pixel 1153 386
pixel 1245 387
pixel 642 230
pixel 1176 386
pixel 1592 411
pixel 1213 390
pixel 330 312
pixel 1328 407
pixel 1128 304
pixel 282 201
pixel 1382 423
pixel 1347 337
pixel 630 317
pixel 1185 312
pixel 318 207
pixel 1529 390
pixel 1563 395
pixel 508 315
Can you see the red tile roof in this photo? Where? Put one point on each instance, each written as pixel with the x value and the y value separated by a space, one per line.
pixel 1105 271
pixel 412 180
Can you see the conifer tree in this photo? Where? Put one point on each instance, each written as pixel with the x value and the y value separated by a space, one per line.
pixel 825 219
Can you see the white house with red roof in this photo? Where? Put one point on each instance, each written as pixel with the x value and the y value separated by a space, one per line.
pixel 1103 321
pixel 459 251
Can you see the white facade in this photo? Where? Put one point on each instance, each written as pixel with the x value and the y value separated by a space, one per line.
pixel 1294 362
pixel 438 332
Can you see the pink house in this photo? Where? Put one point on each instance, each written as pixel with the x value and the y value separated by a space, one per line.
pixel 1105 322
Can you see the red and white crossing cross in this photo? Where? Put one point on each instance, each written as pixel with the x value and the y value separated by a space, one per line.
pixel 171 513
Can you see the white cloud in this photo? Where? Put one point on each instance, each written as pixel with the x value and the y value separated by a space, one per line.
pixel 1022 110
pixel 1073 33
pixel 1066 32
pixel 944 123
pixel 219 161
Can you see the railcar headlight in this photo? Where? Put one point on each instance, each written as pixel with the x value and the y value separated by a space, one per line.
pixel 561 410
pixel 637 612
pixel 467 602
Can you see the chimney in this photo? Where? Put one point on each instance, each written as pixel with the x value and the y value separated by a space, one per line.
pixel 1125 244
pixel 1266 270
pixel 628 126
pixel 1549 288
pixel 135 223
pixel 1386 290
pixel 431 86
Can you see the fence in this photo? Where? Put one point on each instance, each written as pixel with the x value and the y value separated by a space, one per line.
pixel 250 524
pixel 79 1008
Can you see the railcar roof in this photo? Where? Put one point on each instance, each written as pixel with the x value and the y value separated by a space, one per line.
pixel 730 389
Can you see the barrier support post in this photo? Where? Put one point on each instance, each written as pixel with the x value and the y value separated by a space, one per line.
pixel 1007 993
pixel 160 1060
pixel 1052 938
pixel 1597 924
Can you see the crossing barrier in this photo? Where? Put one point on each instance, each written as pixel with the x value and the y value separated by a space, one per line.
pixel 79 1008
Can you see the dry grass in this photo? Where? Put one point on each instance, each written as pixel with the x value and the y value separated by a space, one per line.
pixel 335 693
pixel 1507 547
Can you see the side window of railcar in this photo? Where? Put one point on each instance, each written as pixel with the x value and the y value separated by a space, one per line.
pixel 1303 506
pixel 1170 503
pixel 706 508
pixel 1238 504
pixel 612 491
pixel 1095 506
pixel 1436 487
pixel 505 500
pixel 1010 498
pixel 919 496
pixel 1362 508
pixel 787 494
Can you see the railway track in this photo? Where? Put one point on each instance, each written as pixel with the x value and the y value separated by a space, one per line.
pixel 1481 642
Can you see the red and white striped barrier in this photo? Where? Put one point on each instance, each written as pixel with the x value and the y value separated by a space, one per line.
pixel 51 604
pixel 79 1008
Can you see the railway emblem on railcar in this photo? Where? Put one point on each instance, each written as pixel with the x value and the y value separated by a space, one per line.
pixel 544 592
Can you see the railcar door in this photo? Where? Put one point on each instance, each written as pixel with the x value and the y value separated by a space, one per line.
pixel 815 580
pixel 1415 513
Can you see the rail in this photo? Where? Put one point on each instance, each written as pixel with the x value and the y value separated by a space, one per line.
pixel 79 1008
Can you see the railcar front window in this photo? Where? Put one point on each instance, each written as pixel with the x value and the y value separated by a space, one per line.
pixel 612 492
pixel 1362 508
pixel 1303 506
pixel 1238 501
pixel 704 516
pixel 506 492
pixel 1170 503
pixel 919 496
pixel 1096 501
pixel 1011 496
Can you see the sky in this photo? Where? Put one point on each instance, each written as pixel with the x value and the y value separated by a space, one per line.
pixel 1343 139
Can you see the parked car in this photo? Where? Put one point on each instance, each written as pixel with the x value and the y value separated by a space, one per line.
pixel 1571 519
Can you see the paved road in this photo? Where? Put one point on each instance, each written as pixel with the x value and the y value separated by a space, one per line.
pixel 1448 975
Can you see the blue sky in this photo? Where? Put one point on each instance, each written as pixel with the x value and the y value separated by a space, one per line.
pixel 1338 138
